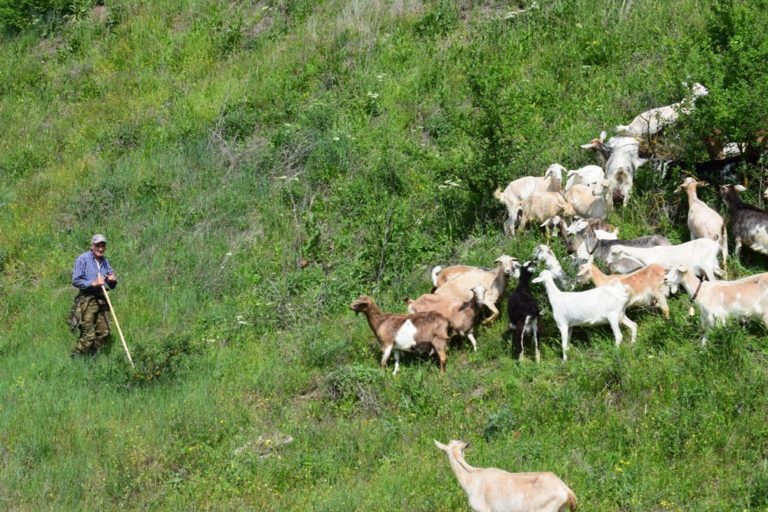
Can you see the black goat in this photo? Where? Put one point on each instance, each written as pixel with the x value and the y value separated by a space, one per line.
pixel 523 309
pixel 749 224
pixel 714 171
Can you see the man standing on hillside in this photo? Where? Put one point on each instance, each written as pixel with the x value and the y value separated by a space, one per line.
pixel 92 271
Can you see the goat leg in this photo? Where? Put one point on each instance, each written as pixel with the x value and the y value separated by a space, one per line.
pixel 385 356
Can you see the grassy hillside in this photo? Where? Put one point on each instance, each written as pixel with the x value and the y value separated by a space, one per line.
pixel 258 165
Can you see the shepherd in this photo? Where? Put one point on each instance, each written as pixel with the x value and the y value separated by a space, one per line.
pixel 91 273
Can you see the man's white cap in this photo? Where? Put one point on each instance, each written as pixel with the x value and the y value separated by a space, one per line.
pixel 98 239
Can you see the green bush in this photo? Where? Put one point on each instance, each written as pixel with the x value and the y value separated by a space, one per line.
pixel 17 15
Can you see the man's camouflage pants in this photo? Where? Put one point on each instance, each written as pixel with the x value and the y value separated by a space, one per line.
pixel 90 314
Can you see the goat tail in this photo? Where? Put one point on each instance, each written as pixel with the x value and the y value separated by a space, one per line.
pixel 435 271
pixel 622 130
pixel 572 505
pixel 498 195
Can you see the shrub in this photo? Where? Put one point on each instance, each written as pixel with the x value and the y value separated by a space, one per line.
pixel 16 15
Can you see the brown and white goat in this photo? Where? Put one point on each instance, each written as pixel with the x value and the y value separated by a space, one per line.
pixel 419 332
pixel 645 286
pixel 462 315
pixel 496 490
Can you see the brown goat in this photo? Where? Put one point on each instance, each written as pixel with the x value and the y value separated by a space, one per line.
pixel 418 332
pixel 462 315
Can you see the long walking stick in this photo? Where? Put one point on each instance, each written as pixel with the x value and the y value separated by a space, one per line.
pixel 120 331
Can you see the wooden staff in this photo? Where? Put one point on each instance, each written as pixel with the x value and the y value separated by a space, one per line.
pixel 117 324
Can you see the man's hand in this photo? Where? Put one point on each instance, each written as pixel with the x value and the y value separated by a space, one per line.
pixel 99 281
pixel 111 278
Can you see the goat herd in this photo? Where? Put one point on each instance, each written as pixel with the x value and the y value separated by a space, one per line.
pixel 645 271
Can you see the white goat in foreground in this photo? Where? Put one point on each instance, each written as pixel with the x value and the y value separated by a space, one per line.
pixel 720 300
pixel 496 490
pixel 598 306
pixel 654 120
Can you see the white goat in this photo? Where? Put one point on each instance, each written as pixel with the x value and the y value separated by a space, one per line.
pixel 462 315
pixel 588 175
pixel 588 203
pixel 544 254
pixel 496 490
pixel 523 188
pixel 699 255
pixel 579 226
pixel 621 158
pixel 494 281
pixel 703 221
pixel 652 121
pixel 604 305
pixel 718 301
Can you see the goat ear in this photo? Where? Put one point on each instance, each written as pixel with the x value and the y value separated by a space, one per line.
pixel 440 445
pixel 740 188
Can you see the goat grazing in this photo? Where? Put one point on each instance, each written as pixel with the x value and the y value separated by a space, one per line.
pixel 494 281
pixel 653 121
pixel 463 316
pixel 521 189
pixel 419 332
pixel 720 300
pixel 645 286
pixel 544 254
pixel 523 310
pixel 703 221
pixel 604 305
pixel 602 229
pixel 496 490
pixel 621 158
pixel 749 224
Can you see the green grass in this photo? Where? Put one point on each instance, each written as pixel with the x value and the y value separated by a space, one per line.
pixel 256 167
